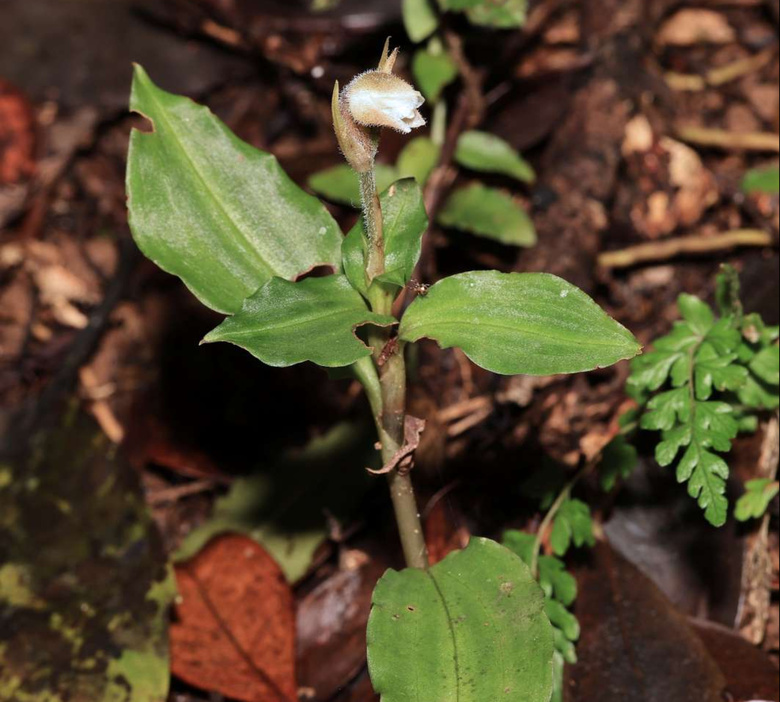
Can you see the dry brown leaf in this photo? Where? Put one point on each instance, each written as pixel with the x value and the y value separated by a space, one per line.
pixel 635 645
pixel 696 26
pixel 402 458
pixel 235 626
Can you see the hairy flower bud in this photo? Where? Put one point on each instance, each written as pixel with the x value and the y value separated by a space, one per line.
pixel 372 100
pixel 378 99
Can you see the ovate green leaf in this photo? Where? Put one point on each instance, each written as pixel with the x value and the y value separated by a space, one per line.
pixel 458 5
pixel 341 184
pixel 471 629
pixel 433 72
pixel 418 159
pixel 420 19
pixel 502 14
pixel 757 498
pixel 285 323
pixel 532 323
pixel 762 180
pixel 485 152
pixel 489 213
pixel 213 210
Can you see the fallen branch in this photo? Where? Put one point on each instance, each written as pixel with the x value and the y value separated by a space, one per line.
pixel 670 248
pixel 730 141
pixel 722 75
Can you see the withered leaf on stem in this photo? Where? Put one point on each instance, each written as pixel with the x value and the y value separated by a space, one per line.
pixel 403 457
pixel 235 628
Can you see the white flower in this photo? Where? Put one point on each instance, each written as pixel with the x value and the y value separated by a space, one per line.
pixel 372 100
pixel 379 99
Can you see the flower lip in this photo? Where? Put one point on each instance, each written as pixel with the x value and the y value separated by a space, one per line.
pixel 378 99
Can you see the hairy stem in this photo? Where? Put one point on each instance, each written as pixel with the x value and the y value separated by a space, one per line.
pixel 386 389
pixel 372 216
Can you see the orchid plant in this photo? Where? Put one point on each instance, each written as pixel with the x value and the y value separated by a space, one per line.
pixel 242 236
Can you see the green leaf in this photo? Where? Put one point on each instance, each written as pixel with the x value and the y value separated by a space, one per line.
pixel 673 440
pixel 404 222
pixel 666 409
pixel 418 159
pixel 214 211
pixel 758 395
pixel 706 474
pixel 341 184
pixel 521 543
pixel 284 506
pixel 429 632
pixel 562 619
pixel 458 5
pixel 713 370
pixel 618 461
pixel 433 71
pixel 84 584
pixel 420 19
pixel 766 365
pixel 698 314
pixel 560 591
pixel 554 577
pixel 572 525
pixel 762 180
pixel 286 323
pixel 532 323
pixel 481 151
pixel 501 14
pixel 489 213
pixel 757 498
pixel 714 425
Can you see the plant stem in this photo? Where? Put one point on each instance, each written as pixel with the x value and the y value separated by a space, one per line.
pixel 393 381
pixel 386 390
pixel 372 216
pixel 545 525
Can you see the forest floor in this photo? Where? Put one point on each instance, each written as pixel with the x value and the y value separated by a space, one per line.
pixel 641 118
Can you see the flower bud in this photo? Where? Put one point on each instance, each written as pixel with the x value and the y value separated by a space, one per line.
pixel 372 100
pixel 378 99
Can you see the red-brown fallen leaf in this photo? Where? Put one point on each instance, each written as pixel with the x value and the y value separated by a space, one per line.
pixel 235 627
pixel 17 140
pixel 750 673
pixel 635 645
pixel 332 630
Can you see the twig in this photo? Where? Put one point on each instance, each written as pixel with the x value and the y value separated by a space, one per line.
pixel 472 81
pixel 174 494
pixel 730 141
pixel 756 597
pixel 669 248
pixel 462 409
pixel 722 75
